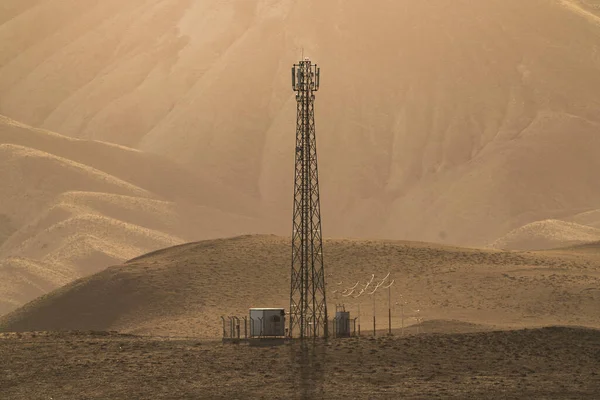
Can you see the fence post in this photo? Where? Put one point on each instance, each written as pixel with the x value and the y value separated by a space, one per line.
pixel 336 327
pixel 374 334
pixel 390 309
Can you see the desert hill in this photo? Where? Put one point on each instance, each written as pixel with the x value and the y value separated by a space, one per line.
pixel 6 228
pixel 548 234
pixel 441 122
pixel 24 279
pixel 72 207
pixel 163 178
pixel 589 218
pixel 184 290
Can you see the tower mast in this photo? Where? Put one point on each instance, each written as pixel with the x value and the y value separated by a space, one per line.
pixel 308 306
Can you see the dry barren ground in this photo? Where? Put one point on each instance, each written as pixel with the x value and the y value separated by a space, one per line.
pixel 554 362
pixel 184 290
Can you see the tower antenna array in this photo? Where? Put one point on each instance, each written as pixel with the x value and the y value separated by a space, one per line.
pixel 308 307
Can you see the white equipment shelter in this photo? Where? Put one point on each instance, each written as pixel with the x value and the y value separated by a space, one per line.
pixel 268 322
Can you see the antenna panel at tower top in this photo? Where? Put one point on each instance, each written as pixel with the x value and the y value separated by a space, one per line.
pixel 306 76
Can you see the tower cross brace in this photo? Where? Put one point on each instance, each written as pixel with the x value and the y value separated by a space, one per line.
pixel 308 306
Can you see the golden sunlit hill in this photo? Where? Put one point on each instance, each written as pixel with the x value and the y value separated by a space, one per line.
pixel 452 122
pixel 184 290
pixel 547 234
pixel 589 218
pixel 71 207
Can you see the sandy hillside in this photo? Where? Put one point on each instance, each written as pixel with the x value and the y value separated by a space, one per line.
pixel 547 234
pixel 184 290
pixel 24 279
pixel 589 218
pixel 72 207
pixel 445 122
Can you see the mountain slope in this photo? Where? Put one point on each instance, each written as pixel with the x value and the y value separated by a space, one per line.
pixel 163 178
pixel 185 290
pixel 437 121
pixel 589 218
pixel 25 279
pixel 64 217
pixel 549 234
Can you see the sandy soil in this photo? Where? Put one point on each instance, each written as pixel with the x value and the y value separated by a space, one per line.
pixel 184 290
pixel 554 362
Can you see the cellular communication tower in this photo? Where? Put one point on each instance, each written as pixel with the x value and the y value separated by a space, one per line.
pixel 308 307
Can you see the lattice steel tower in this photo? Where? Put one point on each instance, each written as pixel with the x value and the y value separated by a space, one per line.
pixel 308 308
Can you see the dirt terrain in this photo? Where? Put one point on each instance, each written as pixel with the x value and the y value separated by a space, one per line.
pixel 184 290
pixel 554 362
